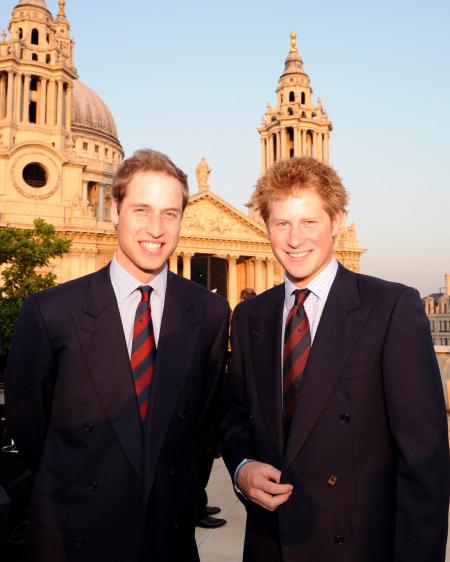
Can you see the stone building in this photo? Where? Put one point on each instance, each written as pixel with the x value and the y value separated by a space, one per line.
pixel 58 141
pixel 59 148
pixel 437 308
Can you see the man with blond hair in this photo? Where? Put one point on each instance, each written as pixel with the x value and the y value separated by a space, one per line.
pixel 334 427
pixel 113 383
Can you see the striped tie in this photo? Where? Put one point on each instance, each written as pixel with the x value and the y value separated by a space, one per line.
pixel 143 351
pixel 296 350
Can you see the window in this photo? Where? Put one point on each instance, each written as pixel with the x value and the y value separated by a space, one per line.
pixel 20 33
pixel 96 148
pixel 85 146
pixel 34 175
pixel 34 56
pixel 35 37
pixel 33 83
pixel 32 112
pixel 303 98
pixel 290 111
pixel 48 59
pixel 291 96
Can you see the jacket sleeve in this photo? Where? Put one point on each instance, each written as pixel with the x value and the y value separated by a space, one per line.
pixel 29 379
pixel 418 421
pixel 236 428
pixel 213 391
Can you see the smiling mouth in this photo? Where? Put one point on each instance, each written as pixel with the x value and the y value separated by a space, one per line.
pixel 299 255
pixel 151 246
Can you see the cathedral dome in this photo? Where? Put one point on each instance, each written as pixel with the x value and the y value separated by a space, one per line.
pixel 90 113
pixel 39 3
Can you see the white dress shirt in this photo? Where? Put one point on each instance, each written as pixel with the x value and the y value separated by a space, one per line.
pixel 128 295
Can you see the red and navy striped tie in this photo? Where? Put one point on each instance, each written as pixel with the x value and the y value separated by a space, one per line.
pixel 143 351
pixel 296 350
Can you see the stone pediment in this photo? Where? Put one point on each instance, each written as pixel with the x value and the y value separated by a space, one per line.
pixel 207 215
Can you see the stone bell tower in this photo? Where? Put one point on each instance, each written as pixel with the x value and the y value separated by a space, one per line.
pixel 296 126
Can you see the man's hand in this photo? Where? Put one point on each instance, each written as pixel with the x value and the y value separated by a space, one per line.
pixel 260 482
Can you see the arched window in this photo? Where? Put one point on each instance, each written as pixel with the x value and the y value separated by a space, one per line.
pixel 303 115
pixel 290 111
pixel 303 98
pixel 20 33
pixel 35 37
pixel 291 96
pixel 34 56
pixel 48 59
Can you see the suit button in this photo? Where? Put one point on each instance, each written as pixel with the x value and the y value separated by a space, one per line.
pixel 80 543
pixel 92 486
pixel 172 472
pixel 182 414
pixel 88 427
pixel 332 480
pixel 345 418
pixel 338 539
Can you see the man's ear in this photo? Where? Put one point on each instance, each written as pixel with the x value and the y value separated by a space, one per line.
pixel 115 212
pixel 337 222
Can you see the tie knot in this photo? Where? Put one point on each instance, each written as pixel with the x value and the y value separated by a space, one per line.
pixel 145 293
pixel 300 296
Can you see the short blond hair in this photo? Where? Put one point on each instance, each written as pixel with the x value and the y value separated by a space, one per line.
pixel 287 176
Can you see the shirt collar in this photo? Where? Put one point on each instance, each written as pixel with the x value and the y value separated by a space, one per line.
pixel 125 284
pixel 320 286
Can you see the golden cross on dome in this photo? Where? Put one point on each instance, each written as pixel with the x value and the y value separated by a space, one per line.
pixel 293 48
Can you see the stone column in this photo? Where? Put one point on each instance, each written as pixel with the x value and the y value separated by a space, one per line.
pixel 101 202
pixel 43 101
pixel 267 153
pixel 297 148
pixel 278 136
pixel 2 96
pixel 327 148
pixel 84 192
pixel 232 281
pixel 187 265
pixel 10 96
pixel 283 147
pixel 250 273
pixel 51 103
pixel 303 153
pixel 18 95
pixel 26 98
pixel 59 110
pixel 269 273
pixel 173 263
pixel 270 150
pixel 259 281
pixel 263 153
pixel 68 107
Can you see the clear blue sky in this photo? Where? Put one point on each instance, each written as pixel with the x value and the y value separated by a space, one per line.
pixel 193 79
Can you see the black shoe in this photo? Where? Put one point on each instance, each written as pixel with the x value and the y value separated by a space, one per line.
pixel 211 510
pixel 209 522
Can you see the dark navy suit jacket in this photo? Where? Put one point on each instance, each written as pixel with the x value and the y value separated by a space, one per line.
pixel 104 488
pixel 367 452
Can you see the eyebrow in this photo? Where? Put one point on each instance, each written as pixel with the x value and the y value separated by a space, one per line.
pixel 146 206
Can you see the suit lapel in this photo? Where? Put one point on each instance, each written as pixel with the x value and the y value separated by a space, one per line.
pixel 265 326
pixel 177 343
pixel 341 321
pixel 102 337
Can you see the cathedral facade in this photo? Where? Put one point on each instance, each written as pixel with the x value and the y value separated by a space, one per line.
pixel 59 149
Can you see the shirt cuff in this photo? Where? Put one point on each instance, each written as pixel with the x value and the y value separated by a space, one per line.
pixel 236 474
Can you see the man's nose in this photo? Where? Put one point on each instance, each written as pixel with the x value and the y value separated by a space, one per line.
pixel 154 226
